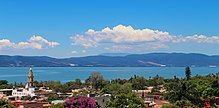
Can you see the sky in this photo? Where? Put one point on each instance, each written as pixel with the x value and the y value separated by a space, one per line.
pixel 72 28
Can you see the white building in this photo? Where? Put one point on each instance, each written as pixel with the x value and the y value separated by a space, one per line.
pixel 29 90
pixel 23 92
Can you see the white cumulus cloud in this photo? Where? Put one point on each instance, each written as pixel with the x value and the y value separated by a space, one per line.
pixel 126 37
pixel 5 43
pixel 35 42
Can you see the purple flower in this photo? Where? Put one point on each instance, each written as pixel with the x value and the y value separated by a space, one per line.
pixel 80 102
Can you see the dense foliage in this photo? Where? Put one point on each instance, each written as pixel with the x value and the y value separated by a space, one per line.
pixel 182 93
pixel 123 100
pixel 122 96
pixel 191 91
pixel 57 86
pixel 138 83
pixel 58 106
pixel 5 104
pixel 4 84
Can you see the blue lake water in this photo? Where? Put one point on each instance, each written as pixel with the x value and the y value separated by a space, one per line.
pixel 64 74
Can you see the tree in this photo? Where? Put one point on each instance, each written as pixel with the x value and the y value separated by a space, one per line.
pixel 96 80
pixel 58 106
pixel 182 92
pixel 78 82
pixel 3 82
pixel 124 100
pixel 54 85
pixel 52 96
pixel 39 84
pixel 208 93
pixel 155 81
pixel 112 88
pixel 207 87
pixel 68 86
pixel 27 98
pixel 188 73
pixel 5 104
pixel 138 83
pixel 155 89
pixel 215 86
pixel 125 88
pixel 116 88
pixel 120 81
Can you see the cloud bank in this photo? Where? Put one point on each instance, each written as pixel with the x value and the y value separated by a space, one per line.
pixel 126 37
pixel 35 42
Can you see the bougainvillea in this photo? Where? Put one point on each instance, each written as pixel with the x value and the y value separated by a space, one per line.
pixel 80 102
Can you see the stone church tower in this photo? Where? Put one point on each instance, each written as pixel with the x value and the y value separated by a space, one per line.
pixel 30 78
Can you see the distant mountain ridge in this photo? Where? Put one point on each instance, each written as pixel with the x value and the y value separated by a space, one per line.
pixel 114 54
pixel 130 60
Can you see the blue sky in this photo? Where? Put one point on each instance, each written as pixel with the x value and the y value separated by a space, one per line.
pixel 59 28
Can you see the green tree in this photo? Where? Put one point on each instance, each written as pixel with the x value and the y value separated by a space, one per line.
pixel 5 104
pixel 58 106
pixel 54 85
pixel 112 88
pixel 168 106
pixel 68 86
pixel 126 88
pixel 215 86
pixel 123 100
pixel 27 98
pixel 206 86
pixel 188 73
pixel 53 96
pixel 138 83
pixel 182 92
pixel 116 88
pixel 3 82
pixel 78 82
pixel 155 81
pixel 208 93
pixel 96 80
pixel 120 81
pixel 39 84
pixel 155 90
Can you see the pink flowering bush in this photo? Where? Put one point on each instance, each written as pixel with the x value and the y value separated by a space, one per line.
pixel 80 102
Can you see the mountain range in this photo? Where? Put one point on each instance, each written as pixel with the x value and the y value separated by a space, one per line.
pixel 114 60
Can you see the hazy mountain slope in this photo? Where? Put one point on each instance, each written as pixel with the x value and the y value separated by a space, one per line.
pixel 151 59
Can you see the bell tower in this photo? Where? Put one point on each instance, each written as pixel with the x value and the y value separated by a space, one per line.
pixel 30 78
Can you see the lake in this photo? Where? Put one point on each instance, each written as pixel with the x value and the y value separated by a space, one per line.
pixel 64 74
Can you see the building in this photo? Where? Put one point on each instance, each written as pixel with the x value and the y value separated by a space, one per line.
pixel 6 92
pixel 30 104
pixel 19 92
pixel 29 89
